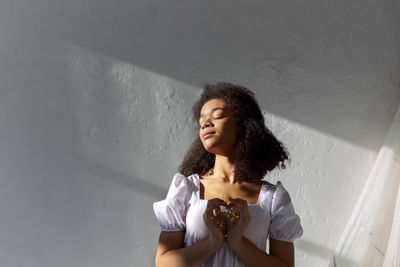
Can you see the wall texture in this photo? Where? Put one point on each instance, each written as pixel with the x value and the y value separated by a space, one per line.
pixel 95 100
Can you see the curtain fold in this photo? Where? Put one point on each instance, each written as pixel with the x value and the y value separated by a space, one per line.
pixel 372 234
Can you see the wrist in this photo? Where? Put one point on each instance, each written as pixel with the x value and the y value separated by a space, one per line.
pixel 214 243
pixel 235 244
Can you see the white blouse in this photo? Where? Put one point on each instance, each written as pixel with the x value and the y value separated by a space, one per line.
pixel 273 216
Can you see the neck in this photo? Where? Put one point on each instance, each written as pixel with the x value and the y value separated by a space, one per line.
pixel 224 168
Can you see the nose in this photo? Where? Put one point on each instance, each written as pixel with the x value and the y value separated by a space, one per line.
pixel 205 124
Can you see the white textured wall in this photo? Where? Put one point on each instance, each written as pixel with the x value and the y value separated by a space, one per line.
pixel 95 99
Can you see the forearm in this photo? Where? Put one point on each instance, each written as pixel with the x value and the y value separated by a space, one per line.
pixel 190 256
pixel 252 256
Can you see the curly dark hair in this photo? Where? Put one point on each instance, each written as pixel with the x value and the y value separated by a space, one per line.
pixel 257 149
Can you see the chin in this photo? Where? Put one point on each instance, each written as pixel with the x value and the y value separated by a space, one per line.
pixel 210 148
pixel 215 150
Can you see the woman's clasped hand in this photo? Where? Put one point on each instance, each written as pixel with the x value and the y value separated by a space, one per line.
pixel 226 221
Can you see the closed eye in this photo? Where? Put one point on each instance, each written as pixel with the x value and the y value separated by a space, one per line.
pixel 201 122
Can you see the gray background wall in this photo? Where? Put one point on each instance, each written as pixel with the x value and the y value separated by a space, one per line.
pixel 94 113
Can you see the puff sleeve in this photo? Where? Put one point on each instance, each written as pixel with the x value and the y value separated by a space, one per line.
pixel 171 211
pixel 285 223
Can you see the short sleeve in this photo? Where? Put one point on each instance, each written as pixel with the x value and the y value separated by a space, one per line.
pixel 285 223
pixel 171 211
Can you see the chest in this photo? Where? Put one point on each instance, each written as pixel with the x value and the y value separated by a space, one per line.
pixel 210 189
pixel 256 231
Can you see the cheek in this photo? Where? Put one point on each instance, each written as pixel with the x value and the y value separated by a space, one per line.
pixel 232 131
pixel 229 127
pixel 200 136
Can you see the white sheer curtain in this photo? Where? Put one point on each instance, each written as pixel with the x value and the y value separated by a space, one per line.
pixel 372 235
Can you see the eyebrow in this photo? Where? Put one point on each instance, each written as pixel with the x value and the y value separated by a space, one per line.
pixel 201 115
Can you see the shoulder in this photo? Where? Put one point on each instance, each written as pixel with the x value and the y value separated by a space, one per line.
pixel 285 222
pixel 171 211
pixel 182 184
pixel 267 184
pixel 180 178
pixel 280 200
pixel 273 194
pixel 270 188
pixel 274 189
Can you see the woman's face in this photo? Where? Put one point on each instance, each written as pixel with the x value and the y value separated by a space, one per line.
pixel 218 119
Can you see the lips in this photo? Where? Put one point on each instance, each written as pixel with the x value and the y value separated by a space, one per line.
pixel 208 134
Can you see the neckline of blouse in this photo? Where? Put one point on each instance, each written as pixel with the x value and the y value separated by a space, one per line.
pixel 206 200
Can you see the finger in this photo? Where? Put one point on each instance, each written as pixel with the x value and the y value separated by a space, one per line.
pixel 219 222
pixel 238 201
pixel 214 202
pixel 216 212
pixel 235 205
pixel 234 201
pixel 215 209
pixel 210 207
pixel 220 225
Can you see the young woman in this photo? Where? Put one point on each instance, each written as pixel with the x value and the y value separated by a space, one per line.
pixel 218 211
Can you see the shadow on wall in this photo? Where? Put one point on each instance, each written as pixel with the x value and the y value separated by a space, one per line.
pixel 130 181
pixel 317 250
pixel 158 192
pixel 294 75
pixel 343 262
